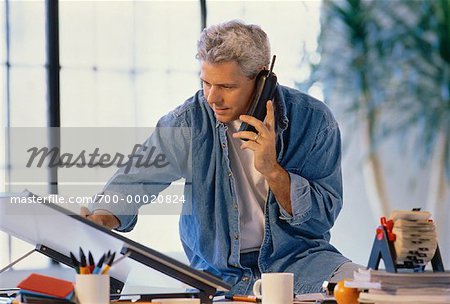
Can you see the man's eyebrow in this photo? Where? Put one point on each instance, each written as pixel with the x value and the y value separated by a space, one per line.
pixel 221 84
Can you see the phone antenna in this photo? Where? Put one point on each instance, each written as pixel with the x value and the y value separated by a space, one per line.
pixel 273 62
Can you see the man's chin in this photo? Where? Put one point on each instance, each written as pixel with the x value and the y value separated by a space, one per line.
pixel 225 118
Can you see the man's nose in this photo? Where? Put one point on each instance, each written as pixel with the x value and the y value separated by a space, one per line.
pixel 214 95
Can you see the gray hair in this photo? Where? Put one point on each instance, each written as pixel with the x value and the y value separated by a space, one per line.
pixel 247 44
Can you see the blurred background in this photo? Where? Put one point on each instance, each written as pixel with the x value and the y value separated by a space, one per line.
pixel 382 66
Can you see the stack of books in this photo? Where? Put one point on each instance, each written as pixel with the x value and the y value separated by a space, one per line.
pixel 381 287
pixel 38 288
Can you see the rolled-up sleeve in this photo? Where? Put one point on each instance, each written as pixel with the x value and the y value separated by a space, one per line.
pixel 170 140
pixel 300 200
pixel 316 188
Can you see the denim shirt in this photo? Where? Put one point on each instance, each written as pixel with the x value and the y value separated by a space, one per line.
pixel 195 144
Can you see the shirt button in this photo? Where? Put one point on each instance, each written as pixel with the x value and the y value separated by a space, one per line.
pixel 235 206
pixel 245 279
pixel 229 173
pixel 236 237
pixel 224 145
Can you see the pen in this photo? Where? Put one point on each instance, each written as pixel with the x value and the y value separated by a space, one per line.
pixel 75 262
pixel 91 262
pixel 109 263
pixel 83 267
pixel 243 298
pixel 99 265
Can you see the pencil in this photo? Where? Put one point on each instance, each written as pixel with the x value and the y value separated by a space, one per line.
pixel 75 262
pixel 109 263
pixel 91 264
pixel 243 298
pixel 99 265
pixel 83 266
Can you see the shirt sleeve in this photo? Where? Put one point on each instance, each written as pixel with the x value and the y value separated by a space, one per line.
pixel 317 200
pixel 163 158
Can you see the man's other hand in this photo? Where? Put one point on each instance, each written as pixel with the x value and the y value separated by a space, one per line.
pixel 101 217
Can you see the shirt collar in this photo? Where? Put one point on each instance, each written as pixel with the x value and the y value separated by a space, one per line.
pixel 280 111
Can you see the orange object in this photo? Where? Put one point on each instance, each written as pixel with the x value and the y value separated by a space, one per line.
pixel 242 298
pixel 345 295
pixel 389 225
pixel 47 286
pixel 84 270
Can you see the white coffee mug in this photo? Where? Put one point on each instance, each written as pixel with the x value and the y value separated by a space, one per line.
pixel 92 288
pixel 277 288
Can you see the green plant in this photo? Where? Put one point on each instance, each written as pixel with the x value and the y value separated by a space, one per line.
pixel 421 53
pixel 352 77
pixel 389 63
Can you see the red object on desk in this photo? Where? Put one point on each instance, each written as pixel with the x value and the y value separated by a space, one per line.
pixel 47 285
pixel 389 225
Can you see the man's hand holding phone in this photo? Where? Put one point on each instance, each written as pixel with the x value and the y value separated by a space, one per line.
pixel 262 143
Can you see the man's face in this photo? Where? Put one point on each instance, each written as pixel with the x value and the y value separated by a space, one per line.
pixel 226 89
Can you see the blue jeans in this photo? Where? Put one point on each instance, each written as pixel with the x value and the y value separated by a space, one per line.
pixel 250 260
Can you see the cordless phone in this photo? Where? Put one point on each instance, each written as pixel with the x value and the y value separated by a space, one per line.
pixel 266 83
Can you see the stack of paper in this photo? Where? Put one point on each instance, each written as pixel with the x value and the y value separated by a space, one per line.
pixel 416 240
pixel 382 287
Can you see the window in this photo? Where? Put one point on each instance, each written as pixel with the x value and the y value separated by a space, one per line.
pixel 22 87
pixel 127 63
pixel 292 27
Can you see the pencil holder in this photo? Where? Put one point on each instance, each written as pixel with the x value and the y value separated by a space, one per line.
pixel 92 288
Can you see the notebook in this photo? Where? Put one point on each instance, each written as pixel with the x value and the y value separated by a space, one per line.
pixel 47 286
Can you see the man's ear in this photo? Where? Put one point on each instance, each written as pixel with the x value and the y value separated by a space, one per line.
pixel 262 68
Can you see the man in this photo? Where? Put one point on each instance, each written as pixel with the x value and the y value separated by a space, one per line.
pixel 262 205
